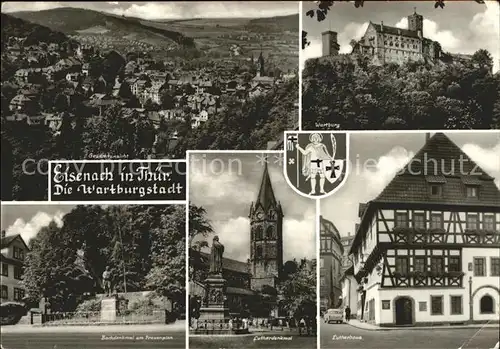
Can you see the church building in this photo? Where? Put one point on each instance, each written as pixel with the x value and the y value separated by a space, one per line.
pixel 252 284
pixel 426 249
pixel 261 83
pixel 386 44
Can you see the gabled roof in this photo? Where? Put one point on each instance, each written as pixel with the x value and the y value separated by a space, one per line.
pixel 264 79
pixel 328 228
pixel 228 263
pixel 8 240
pixel 441 161
pixel 395 31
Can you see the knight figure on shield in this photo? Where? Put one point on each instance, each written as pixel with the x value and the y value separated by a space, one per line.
pixel 315 159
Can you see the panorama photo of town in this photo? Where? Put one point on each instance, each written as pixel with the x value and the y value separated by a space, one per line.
pixel 112 80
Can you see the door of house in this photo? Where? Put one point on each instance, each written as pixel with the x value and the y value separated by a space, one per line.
pixel 404 311
pixel 371 307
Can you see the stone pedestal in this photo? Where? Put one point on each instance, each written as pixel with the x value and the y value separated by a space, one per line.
pixel 109 307
pixel 214 314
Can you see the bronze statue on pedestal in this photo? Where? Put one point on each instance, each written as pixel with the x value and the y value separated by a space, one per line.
pixel 216 253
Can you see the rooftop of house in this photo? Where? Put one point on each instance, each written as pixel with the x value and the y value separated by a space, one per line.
pixel 394 30
pixel 264 79
pixel 327 227
pixel 227 263
pixel 439 162
pixel 6 241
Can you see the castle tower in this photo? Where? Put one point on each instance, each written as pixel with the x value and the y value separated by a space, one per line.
pixel 266 239
pixel 260 65
pixel 329 43
pixel 416 22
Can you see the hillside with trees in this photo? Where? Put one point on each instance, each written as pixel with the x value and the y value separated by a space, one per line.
pixel 34 33
pixel 248 125
pixel 352 94
pixel 72 20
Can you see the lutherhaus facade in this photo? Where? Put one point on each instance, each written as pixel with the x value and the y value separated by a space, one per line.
pixel 385 44
pixel 251 285
pixel 331 252
pixel 426 250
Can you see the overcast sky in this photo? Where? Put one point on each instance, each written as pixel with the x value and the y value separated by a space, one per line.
pixel 461 27
pixel 227 191
pixel 28 219
pixel 169 9
pixel 391 152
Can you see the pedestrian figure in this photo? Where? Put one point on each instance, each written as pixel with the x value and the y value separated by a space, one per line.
pixel 106 277
pixel 347 314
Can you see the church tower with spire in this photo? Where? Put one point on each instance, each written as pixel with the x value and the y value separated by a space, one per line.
pixel 260 65
pixel 266 239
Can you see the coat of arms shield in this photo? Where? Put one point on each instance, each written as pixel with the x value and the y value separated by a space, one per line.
pixel 316 162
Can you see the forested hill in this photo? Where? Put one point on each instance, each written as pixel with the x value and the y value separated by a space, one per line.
pixel 352 94
pixel 34 33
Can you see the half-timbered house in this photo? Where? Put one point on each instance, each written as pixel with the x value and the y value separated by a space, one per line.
pixel 427 248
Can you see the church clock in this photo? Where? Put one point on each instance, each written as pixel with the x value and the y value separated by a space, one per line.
pixel 266 245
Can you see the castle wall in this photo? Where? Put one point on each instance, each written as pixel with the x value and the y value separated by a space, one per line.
pixel 389 44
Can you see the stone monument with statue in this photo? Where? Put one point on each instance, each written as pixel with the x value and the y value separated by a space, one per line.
pixel 109 304
pixel 214 313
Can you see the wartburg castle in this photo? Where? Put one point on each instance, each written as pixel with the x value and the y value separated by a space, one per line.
pixel 386 44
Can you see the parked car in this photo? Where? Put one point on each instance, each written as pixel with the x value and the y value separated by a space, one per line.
pixel 334 315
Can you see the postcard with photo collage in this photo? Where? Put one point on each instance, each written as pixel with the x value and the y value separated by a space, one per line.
pixel 250 174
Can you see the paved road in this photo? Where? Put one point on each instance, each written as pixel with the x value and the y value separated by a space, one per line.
pixel 104 337
pixel 265 340
pixel 346 336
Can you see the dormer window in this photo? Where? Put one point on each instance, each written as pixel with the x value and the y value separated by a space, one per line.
pixel 472 191
pixel 436 190
pixel 435 185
